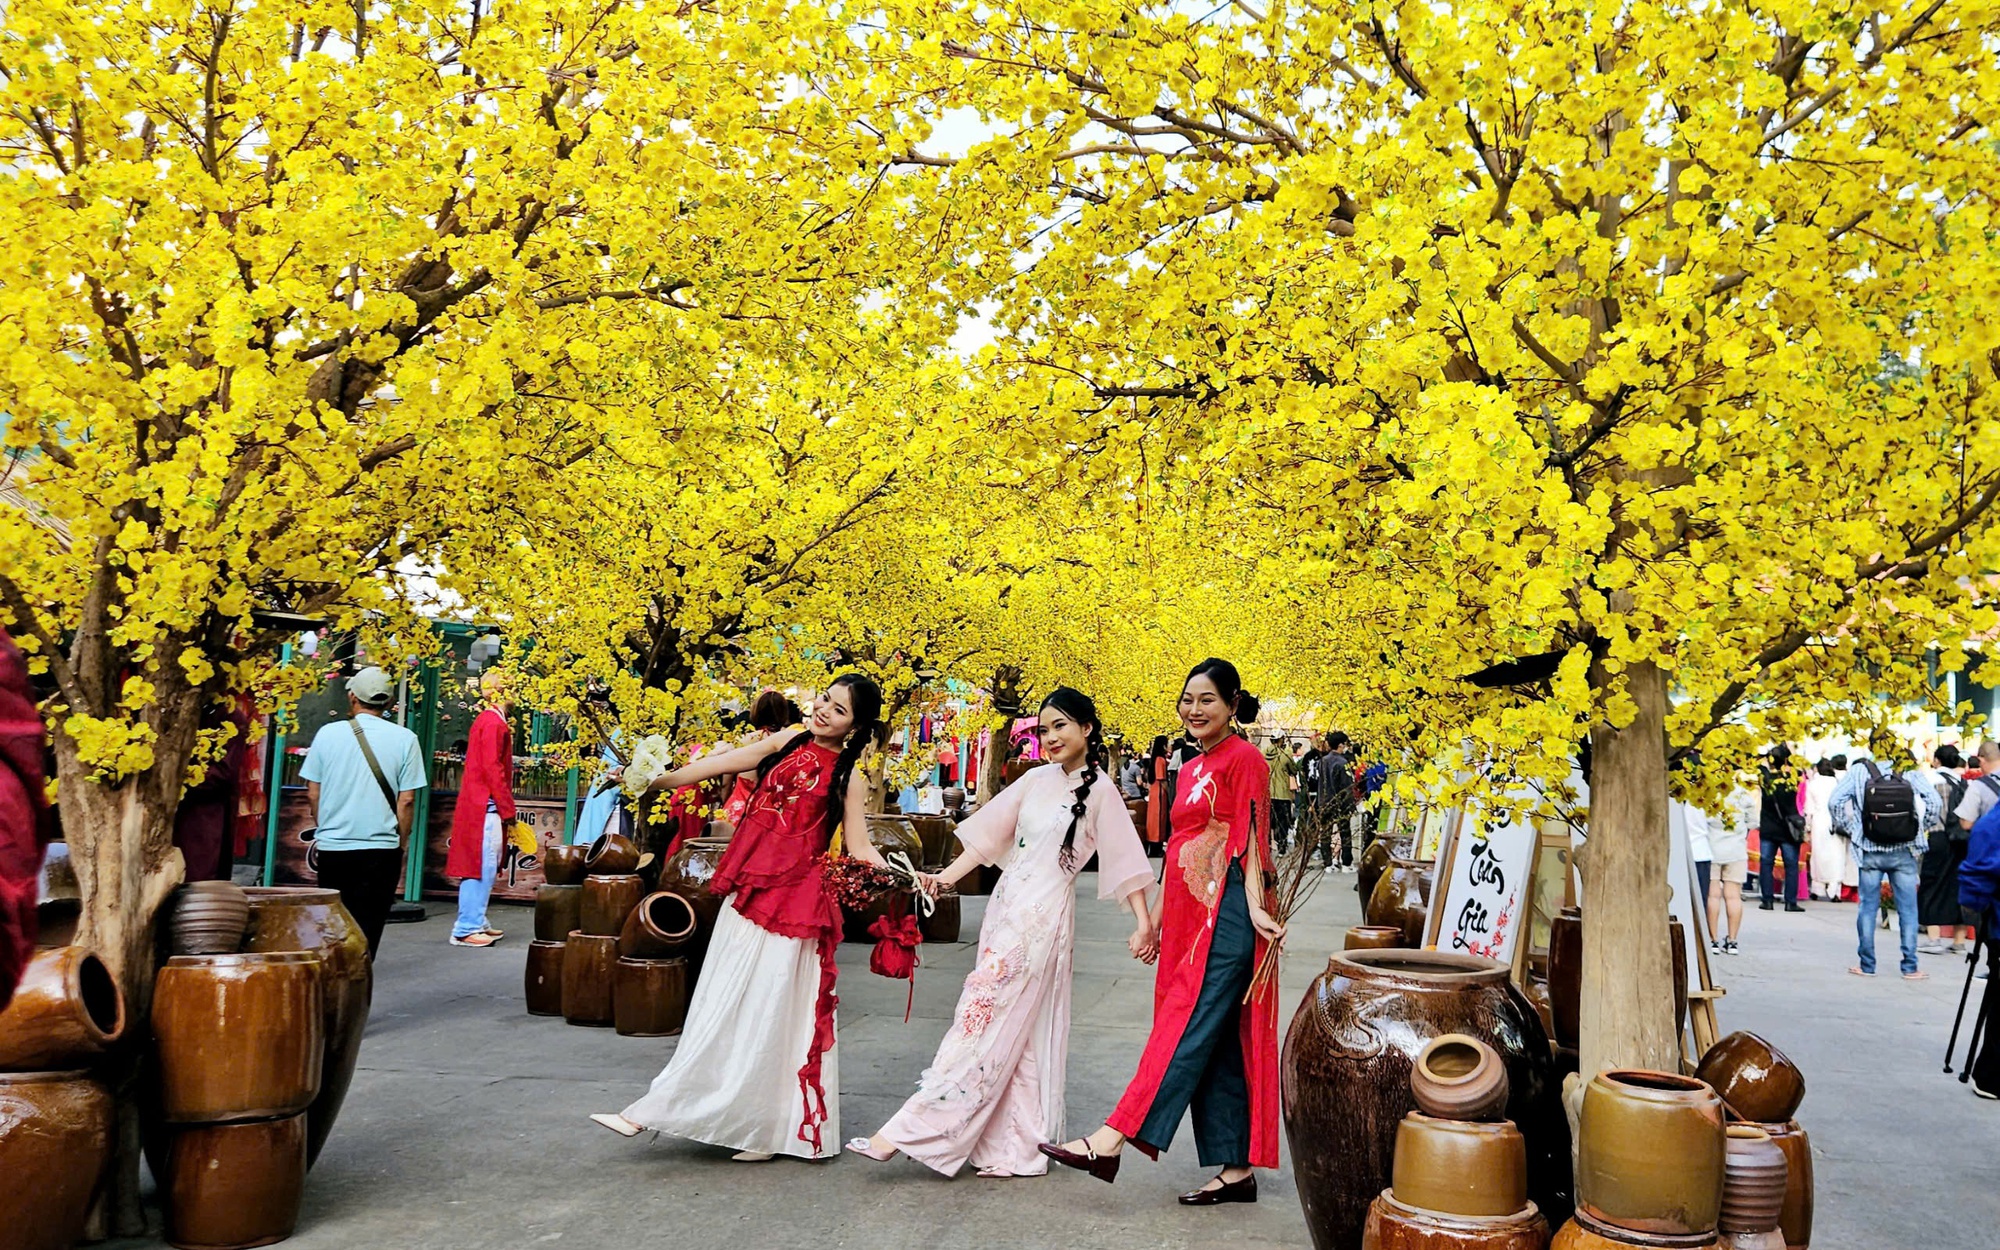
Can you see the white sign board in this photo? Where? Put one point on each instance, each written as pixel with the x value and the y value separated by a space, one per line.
pixel 1482 891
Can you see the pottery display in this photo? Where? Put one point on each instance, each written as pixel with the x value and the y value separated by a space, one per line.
pixel 1460 1078
pixel 238 1037
pixel 889 834
pixel 1393 1224
pixel 607 901
pixel 1584 1233
pixel 1754 1077
pixel 558 910
pixel 206 918
pixel 1753 1181
pixel 934 835
pixel 660 927
pixel 1373 937
pixel 1460 1167
pixel 1566 975
pixel 943 924
pixel 233 1185
pixel 307 918
pixel 687 873
pixel 1795 1219
pixel 55 1138
pixel 541 978
pixel 649 997
pixel 66 1010
pixel 1369 867
pixel 1346 1066
pixel 1650 1151
pixel 1402 898
pixel 563 863
pixel 589 959
pixel 611 855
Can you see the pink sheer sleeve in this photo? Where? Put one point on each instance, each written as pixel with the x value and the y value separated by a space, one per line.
pixel 1122 866
pixel 988 832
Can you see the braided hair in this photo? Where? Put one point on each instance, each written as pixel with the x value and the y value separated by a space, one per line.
pixel 865 701
pixel 1078 707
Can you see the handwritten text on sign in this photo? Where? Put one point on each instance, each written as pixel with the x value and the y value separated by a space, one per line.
pixel 1481 903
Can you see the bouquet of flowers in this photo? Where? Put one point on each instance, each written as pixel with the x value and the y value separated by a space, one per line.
pixel 651 760
pixel 855 884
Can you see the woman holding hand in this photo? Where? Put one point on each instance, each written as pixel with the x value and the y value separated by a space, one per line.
pixel 1208 1048
pixel 995 1091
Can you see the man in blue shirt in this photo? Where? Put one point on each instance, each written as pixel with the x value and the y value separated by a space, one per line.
pixel 1897 861
pixel 358 847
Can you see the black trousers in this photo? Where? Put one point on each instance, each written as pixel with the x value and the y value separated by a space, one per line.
pixel 367 882
pixel 1337 834
pixel 1281 823
pixel 1207 1070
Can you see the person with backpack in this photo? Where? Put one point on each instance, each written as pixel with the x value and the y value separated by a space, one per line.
pixel 1888 815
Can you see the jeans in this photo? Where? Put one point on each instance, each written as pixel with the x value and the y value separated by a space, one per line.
pixel 474 891
pixel 1773 849
pixel 1900 867
pixel 367 881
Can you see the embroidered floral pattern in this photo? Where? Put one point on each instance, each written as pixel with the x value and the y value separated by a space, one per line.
pixel 1204 859
pixel 987 986
pixel 793 779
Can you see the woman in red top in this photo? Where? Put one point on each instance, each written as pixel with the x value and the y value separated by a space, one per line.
pixel 1208 1048
pixel 756 1069
pixel 485 807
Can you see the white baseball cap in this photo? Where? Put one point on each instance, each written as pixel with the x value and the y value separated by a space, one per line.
pixel 372 686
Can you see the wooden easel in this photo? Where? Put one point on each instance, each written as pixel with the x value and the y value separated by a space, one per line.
pixel 1552 855
pixel 1701 998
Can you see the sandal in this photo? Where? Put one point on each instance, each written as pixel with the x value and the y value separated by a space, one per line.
pixel 482 938
pixel 1919 975
pixel 617 1124
pixel 1856 972
pixel 866 1146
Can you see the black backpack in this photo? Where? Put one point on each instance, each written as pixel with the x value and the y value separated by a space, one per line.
pixel 1888 808
pixel 1954 794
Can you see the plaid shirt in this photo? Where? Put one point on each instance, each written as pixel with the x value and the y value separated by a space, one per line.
pixel 1844 805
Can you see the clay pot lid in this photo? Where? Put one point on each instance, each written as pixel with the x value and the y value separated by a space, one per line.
pixel 242 959
pixel 1422 967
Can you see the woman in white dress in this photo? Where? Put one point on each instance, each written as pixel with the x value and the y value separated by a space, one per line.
pixel 994 1092
pixel 1829 849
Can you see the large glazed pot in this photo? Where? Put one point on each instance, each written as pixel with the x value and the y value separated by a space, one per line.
pixel 1650 1153
pixel 934 833
pixel 234 1185
pixel 238 1037
pixel 607 900
pixel 1795 1220
pixel 687 873
pixel 563 864
pixel 308 919
pixel 558 911
pixel 541 980
pixel 1754 1077
pixel 1369 867
pixel 55 1137
pixel 65 1011
pixel 1403 897
pixel 611 855
pixel 588 963
pixel 649 997
pixel 1397 1225
pixel 896 833
pixel 1346 1077
pixel 943 924
pixel 660 927
pixel 1460 1167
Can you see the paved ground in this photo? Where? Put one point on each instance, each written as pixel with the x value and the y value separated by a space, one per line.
pixel 465 1128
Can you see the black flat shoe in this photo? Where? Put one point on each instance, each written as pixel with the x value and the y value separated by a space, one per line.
pixel 1103 1167
pixel 1793 907
pixel 1244 1190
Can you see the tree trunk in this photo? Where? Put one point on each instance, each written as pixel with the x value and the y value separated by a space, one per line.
pixel 1008 703
pixel 1627 1017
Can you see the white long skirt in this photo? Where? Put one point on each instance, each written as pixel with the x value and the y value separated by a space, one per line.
pixel 734 1079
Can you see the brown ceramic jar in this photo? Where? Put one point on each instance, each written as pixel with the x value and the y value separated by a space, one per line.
pixel 563 864
pixel 558 910
pixel 229 1186
pixel 1460 1167
pixel 896 833
pixel 1584 1233
pixel 1650 1157
pixel 66 1011
pixel 1369 867
pixel 1372 937
pixel 1460 1078
pixel 1396 1225
pixel 611 855
pixel 649 997
pixel 935 836
pixel 55 1138
pixel 1754 1077
pixel 238 1037
pixel 943 924
pixel 1402 898
pixel 1345 1077
pixel 589 961
pixel 305 918
pixel 687 873
pixel 660 927
pixel 207 918
pixel 608 900
pixel 1795 1219
pixel 1753 1181
pixel 542 978
pixel 1566 975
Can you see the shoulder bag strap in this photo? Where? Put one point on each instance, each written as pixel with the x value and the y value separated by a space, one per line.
pixel 368 753
pixel 1993 784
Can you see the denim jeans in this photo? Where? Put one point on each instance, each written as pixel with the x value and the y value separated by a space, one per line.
pixel 474 891
pixel 1900 867
pixel 1768 862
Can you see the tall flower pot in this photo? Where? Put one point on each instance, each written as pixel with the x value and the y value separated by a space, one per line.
pixel 558 911
pixel 541 979
pixel 1402 898
pixel 660 927
pixel 1346 1069
pixel 1754 1078
pixel 65 1012
pixel 1460 1167
pixel 55 1138
pixel 1795 1218
pixel 649 997
pixel 229 1186
pixel 311 919
pixel 1650 1153
pixel 607 900
pixel 238 1037
pixel 589 961
pixel 1393 1224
